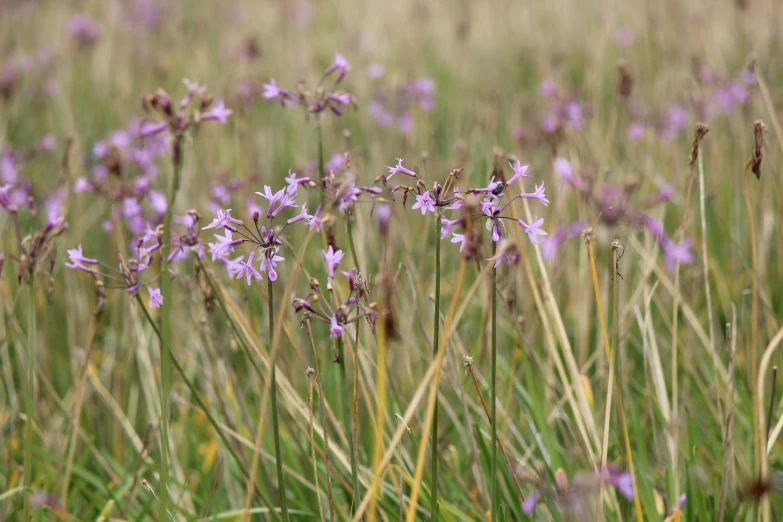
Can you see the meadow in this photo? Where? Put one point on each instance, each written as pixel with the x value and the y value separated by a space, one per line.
pixel 375 261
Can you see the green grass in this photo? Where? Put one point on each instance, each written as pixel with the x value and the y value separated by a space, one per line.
pixel 488 61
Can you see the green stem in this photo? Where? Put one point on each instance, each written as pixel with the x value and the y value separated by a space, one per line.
pixel 435 343
pixel 28 433
pixel 320 151
pixel 353 248
pixel 493 396
pixel 275 420
pixel 165 321
pixel 348 423
pixel 192 388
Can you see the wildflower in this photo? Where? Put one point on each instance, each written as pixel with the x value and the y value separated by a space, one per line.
pixel 533 229
pixel 223 220
pixel 84 30
pixel 227 243
pixel 294 182
pixel 550 245
pixel 458 238
pixel 6 201
pixel 383 212
pixel 78 261
pixel 218 113
pixel 242 268
pixel 152 129
pixel 676 253
pixel 302 215
pixel 339 64
pixel 335 330
pixel 538 194
pixel 399 168
pixel 271 90
pixel 425 203
pixel 156 298
pixel 446 226
pixel 520 171
pixel 269 263
pixel 315 220
pixel 332 259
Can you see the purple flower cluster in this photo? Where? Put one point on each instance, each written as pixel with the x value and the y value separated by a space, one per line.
pixel 394 106
pixel 327 310
pixel 34 73
pixel 615 205
pixel 562 112
pixel 321 99
pixel 449 197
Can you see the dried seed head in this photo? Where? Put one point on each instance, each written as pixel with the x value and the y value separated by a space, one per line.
pixel 757 154
pixel 624 81
pixel 701 130
pixel 587 234
pixel 310 372
pixel 467 361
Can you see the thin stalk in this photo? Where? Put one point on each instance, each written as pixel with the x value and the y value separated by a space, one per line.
pixel 310 377
pixel 77 413
pixel 353 248
pixel 380 415
pixel 275 420
pixel 29 406
pixel 320 150
pixel 493 395
pixel 397 418
pixel 324 423
pixel 754 304
pixel 165 322
pixel 210 418
pixel 613 382
pixel 705 267
pixel 348 423
pixel 435 345
pixel 675 494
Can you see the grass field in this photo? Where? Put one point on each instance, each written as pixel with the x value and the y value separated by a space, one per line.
pixel 484 260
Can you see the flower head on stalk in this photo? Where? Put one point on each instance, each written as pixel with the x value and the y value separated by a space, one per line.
pixel 617 205
pixel 317 101
pixel 326 309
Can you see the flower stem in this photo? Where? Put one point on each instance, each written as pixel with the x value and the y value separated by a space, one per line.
pixel 320 151
pixel 353 248
pixel 493 396
pixel 348 422
pixel 275 420
pixel 165 322
pixel 28 432
pixel 435 344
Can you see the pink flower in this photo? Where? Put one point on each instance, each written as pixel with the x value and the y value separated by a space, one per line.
pixel 315 220
pixel 302 215
pixel 458 238
pixel 538 194
pixel 339 64
pixel 156 298
pixel 271 90
pixel 242 268
pixel 226 244
pixel 218 113
pixel 332 259
pixel 335 330
pixel 399 168
pixel 78 261
pixel 520 171
pixel 269 263
pixel 425 203
pixel 224 220
pixel 533 229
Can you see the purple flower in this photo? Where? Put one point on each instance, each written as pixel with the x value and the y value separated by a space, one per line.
pixel 636 130
pixel 399 168
pixel 273 199
pixel 339 64
pixel 622 481
pixel 78 261
pixel 375 70
pixel 533 229
pixel 152 129
pixel 157 202
pixel 538 194
pixel 547 89
pixel 379 113
pixel 347 194
pixel 315 220
pixel 223 220
pixel 405 122
pixel 271 90
pixel 335 330
pixel 218 112
pixel 302 215
pixel 294 182
pixel 383 213
pixel 565 171
pixel 332 259
pixel 676 253
pixel 520 171
pixel 8 167
pixel 242 268
pixel 530 503
pixel 506 256
pixel 156 298
pixel 84 30
pixel 573 114
pixel 425 203
pixel 550 246
pixel 342 99
pixel 269 263
pixel 6 199
pixel 446 225
pixel 335 164
pixel 458 238
pixel 226 244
